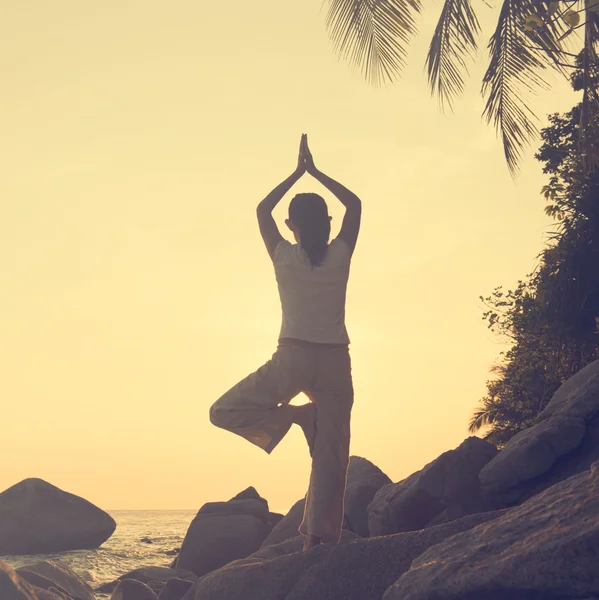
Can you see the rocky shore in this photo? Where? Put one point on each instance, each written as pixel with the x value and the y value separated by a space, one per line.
pixel 476 523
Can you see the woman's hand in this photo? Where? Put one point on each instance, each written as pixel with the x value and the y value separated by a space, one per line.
pixel 308 160
pixel 301 163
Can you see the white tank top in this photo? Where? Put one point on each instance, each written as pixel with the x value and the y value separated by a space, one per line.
pixel 313 298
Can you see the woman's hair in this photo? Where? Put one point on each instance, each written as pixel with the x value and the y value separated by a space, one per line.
pixel 309 213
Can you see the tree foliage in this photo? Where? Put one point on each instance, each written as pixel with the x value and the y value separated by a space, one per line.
pixel 552 317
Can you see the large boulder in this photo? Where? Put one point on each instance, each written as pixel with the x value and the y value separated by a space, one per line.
pixel 49 574
pixel 523 466
pixel 444 490
pixel 545 548
pixel 154 577
pixel 364 479
pixel 225 531
pixel 289 546
pixel 175 589
pixel 131 589
pixel 357 570
pixel 14 587
pixel 288 526
pixel 38 518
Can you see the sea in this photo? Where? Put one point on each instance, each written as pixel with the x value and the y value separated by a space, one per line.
pixel 124 550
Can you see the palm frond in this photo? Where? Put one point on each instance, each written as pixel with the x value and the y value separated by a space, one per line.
pixel 481 418
pixel 589 114
pixel 373 34
pixel 512 73
pixel 453 41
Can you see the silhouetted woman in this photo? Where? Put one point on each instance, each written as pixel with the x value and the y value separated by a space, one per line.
pixel 313 350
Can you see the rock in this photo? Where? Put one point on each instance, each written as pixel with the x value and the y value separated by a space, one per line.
pixel 288 526
pixel 131 589
pixel 14 587
pixel 175 589
pixel 37 517
pixel 545 548
pixel 289 546
pixel 274 518
pixel 446 489
pixel 224 531
pixel 146 540
pixel 559 429
pixel 357 570
pixel 250 494
pixel 154 577
pixel 363 481
pixel 49 574
pixel 173 552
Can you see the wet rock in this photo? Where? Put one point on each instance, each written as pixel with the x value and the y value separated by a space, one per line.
pixel 51 574
pixel 130 589
pixel 154 577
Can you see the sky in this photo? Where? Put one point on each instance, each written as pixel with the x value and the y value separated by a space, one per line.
pixel 137 140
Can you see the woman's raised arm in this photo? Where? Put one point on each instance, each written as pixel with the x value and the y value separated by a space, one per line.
pixel 268 228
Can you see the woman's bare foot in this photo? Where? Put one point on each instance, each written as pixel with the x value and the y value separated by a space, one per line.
pixel 305 417
pixel 311 541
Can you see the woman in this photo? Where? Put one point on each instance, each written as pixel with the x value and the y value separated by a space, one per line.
pixel 313 350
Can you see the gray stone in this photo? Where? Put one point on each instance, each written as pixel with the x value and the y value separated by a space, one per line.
pixel 131 589
pixel 445 489
pixel 38 518
pixel 289 546
pixel 357 570
pixel 49 574
pixel 14 587
pixel 559 430
pixel 154 577
pixel 364 480
pixel 222 532
pixel 288 526
pixel 545 548
pixel 577 397
pixel 175 589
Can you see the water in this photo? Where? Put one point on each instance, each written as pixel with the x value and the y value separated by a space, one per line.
pixel 124 551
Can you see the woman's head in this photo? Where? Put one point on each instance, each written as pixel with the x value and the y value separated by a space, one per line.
pixel 311 225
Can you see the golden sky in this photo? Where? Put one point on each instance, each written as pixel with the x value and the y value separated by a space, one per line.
pixel 137 139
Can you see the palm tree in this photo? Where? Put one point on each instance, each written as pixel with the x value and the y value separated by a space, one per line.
pixel 529 38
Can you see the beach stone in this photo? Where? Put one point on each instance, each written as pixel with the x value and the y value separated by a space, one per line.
pixel 39 518
pixel 274 518
pixel 288 526
pixel 175 589
pixel 364 479
pixel 360 569
pixel 224 531
pixel 289 546
pixel 547 547
pixel 131 589
pixel 50 574
pixel 558 430
pixel 154 577
pixel 14 587
pixel 446 489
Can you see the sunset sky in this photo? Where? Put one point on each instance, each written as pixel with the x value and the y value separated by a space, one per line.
pixel 137 140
